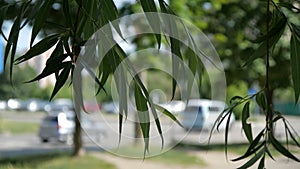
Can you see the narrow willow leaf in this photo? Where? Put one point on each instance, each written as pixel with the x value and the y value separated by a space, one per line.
pixel 162 6
pixel 66 10
pixel 57 56
pixel 157 122
pixel 247 127
pixel 226 133
pixel 66 43
pixel 292 133
pixel 153 19
pixel 262 49
pixel 77 87
pixel 168 113
pixel 12 44
pixel 33 11
pixel 41 47
pixel 289 6
pixel 261 100
pixel 143 114
pixel 276 27
pixel 13 38
pixel 176 63
pixel 61 80
pixel 296 30
pixel 280 148
pixel 110 7
pixel 253 159
pixel 233 99
pixel 92 74
pixel 269 153
pixel 261 163
pixel 40 19
pixel 50 69
pixel 122 90
pixel 253 148
pixel 295 65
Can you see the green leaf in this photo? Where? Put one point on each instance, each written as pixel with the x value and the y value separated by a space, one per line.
pixel 296 30
pixel 41 47
pixel 262 49
pixel 295 64
pixel 61 80
pixel 277 26
pixel 92 74
pixel 49 69
pixel 253 148
pixel 153 19
pixel 253 159
pixel 289 6
pixel 233 99
pixel 157 122
pixel 168 113
pixel 40 19
pixel 66 10
pixel 57 56
pixel 176 63
pixel 261 163
pixel 269 153
pixel 293 134
pixel 247 127
pixel 143 114
pixel 66 43
pixel 261 100
pixel 12 41
pixel 280 148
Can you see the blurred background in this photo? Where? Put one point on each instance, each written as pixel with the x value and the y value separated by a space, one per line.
pixel 28 119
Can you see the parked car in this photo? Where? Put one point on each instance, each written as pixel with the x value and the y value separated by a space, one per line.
pixel 202 114
pixel 15 104
pixel 60 126
pixel 59 104
pixel 3 105
pixel 34 105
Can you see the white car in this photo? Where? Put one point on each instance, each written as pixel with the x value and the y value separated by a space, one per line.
pixel 60 126
pixel 201 114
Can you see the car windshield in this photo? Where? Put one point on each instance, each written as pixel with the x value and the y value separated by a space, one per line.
pixel 193 109
pixel 51 118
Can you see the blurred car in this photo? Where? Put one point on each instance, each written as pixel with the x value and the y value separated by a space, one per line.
pixel 34 105
pixel 15 104
pixel 202 114
pixel 59 104
pixel 60 125
pixel 3 105
pixel 92 106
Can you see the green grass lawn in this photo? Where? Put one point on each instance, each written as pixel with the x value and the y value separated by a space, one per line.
pixel 17 127
pixel 179 157
pixel 173 156
pixel 55 161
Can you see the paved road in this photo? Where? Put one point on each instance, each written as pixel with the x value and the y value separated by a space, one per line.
pixel 29 143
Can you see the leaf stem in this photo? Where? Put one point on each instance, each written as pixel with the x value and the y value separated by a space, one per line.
pixel 269 112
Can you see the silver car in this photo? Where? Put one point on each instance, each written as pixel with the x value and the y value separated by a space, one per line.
pixel 60 126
